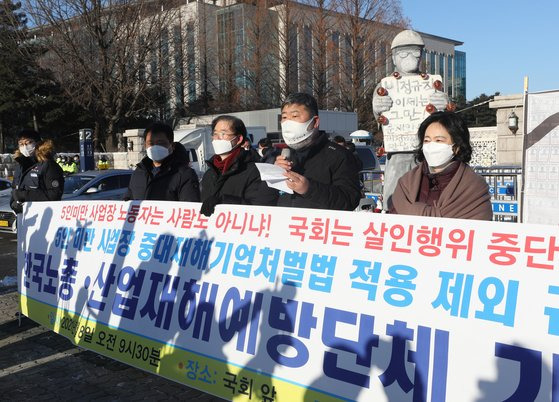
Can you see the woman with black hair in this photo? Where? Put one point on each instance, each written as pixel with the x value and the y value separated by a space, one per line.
pixel 232 177
pixel 37 176
pixel 443 184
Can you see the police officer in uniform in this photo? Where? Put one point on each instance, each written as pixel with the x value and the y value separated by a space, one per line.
pixel 103 163
pixel 37 176
pixel 74 164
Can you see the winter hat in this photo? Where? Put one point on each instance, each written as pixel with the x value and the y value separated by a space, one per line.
pixel 30 134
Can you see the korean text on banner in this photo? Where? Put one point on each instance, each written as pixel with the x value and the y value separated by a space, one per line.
pixel 294 304
pixel 541 159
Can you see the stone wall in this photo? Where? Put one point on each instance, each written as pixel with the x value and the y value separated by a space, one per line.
pixel 509 144
pixel 484 146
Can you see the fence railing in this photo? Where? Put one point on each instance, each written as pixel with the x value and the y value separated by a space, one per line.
pixel 504 185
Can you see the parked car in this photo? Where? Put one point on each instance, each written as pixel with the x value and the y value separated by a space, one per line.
pixel 7 216
pixel 97 185
pixel 91 185
pixel 368 156
pixel 371 175
pixel 5 188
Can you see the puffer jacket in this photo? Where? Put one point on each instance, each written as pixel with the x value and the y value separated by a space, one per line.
pixel 36 178
pixel 240 184
pixel 332 174
pixel 174 181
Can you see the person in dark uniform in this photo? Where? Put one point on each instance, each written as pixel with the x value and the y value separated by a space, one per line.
pixel 164 174
pixel 351 148
pixel 37 176
pixel 266 151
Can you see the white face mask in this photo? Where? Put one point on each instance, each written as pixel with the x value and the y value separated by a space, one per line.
pixel 408 64
pixel 295 133
pixel 260 152
pixel 157 153
pixel 27 150
pixel 223 146
pixel 437 154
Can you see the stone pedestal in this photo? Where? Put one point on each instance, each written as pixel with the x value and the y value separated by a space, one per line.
pixel 134 146
pixel 509 145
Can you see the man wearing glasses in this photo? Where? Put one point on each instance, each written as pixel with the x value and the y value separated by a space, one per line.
pixel 232 177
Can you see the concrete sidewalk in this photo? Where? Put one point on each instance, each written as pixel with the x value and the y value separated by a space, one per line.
pixel 36 363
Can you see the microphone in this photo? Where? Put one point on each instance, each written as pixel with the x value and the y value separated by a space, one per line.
pixel 286 153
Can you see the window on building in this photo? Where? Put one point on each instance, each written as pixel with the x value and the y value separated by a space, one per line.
pixel 348 67
pixel 191 61
pixel 372 59
pixel 307 61
pixel 293 62
pixel 178 60
pixel 449 76
pixel 382 62
pixel 460 73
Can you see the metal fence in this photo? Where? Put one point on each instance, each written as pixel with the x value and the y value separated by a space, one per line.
pixel 372 182
pixel 504 185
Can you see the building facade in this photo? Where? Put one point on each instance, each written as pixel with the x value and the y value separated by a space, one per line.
pixel 250 54
pixel 441 57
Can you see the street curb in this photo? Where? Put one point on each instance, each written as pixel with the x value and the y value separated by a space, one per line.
pixel 8 289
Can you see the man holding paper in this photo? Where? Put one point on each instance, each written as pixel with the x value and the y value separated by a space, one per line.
pixel 320 173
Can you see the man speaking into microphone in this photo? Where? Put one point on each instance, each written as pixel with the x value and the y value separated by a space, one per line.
pixel 322 174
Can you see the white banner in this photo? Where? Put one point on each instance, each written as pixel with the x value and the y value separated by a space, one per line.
pixel 541 159
pixel 284 304
pixel 410 95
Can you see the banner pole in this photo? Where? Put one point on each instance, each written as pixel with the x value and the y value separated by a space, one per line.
pixel 525 134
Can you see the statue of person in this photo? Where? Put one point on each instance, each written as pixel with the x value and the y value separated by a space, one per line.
pixel 401 102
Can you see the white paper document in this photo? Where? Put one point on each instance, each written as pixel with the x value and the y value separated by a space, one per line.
pixel 273 176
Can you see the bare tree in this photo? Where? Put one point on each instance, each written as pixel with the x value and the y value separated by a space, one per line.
pixel 107 54
pixel 316 64
pixel 367 27
pixel 260 72
pixel 229 40
pixel 205 72
pixel 284 44
pixel 194 55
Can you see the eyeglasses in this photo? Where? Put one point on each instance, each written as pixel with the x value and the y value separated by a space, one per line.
pixel 406 53
pixel 224 136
